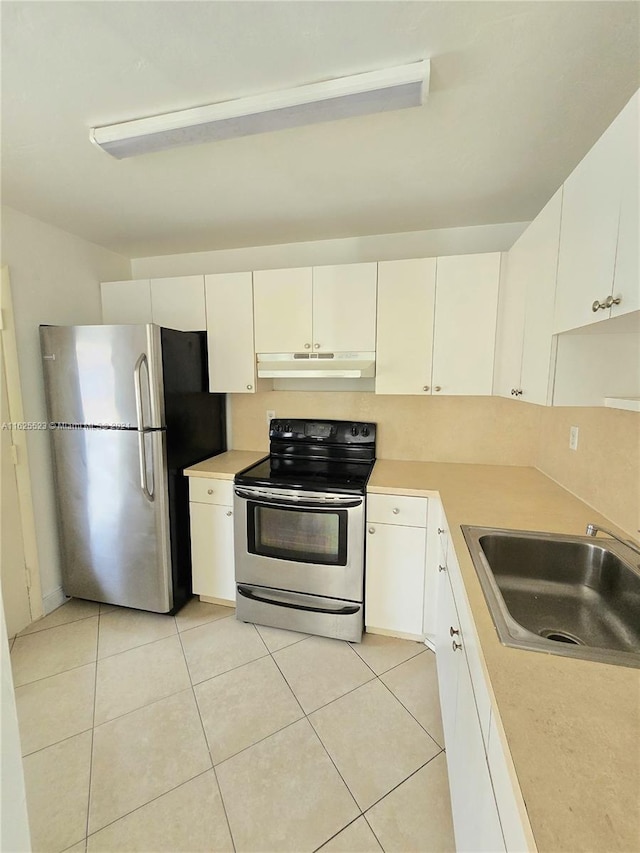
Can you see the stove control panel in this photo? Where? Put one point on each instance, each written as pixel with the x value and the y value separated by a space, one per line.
pixel 316 431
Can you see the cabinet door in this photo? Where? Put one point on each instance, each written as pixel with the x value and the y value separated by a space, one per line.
pixel 404 341
pixel 126 302
pixel 212 551
pixel 510 324
pixel 475 813
pixel 394 578
pixel 178 303
pixel 344 308
pixel 232 360
pixel 627 274
pixel 590 212
pixel 282 310
pixel 448 661
pixel 465 323
pixel 540 259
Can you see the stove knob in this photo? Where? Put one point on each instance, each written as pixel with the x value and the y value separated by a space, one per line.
pixel 276 427
pixel 354 430
pixel 365 430
pixel 287 428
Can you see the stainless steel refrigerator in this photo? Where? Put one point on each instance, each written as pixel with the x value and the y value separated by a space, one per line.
pixel 129 409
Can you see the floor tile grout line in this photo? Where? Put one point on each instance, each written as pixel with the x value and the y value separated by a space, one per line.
pixel 93 729
pixel 139 646
pixel 24 633
pixel 401 663
pixel 346 826
pixel 344 781
pixel 406 779
pixel 206 740
pixel 152 800
pixel 202 624
pixel 56 743
pixel 373 832
pixel 424 729
pixel 54 674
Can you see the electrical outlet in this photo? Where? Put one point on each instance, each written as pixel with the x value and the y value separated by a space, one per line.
pixel 573 438
pixel 270 416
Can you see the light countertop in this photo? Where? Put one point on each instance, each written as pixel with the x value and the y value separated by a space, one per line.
pixel 573 726
pixel 226 465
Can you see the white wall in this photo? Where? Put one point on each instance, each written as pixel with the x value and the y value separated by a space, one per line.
pixel 377 247
pixel 55 279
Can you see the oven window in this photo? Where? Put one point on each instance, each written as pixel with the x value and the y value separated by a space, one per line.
pixel 299 535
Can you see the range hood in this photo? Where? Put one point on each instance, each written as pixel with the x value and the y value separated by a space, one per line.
pixel 316 365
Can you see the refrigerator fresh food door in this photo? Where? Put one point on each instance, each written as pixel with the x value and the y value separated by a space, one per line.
pixel 104 375
pixel 113 516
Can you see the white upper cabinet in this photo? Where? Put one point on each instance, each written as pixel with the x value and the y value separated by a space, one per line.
pixel 465 323
pixel 126 302
pixel 540 257
pixel 591 215
pixel 626 280
pixel 282 305
pixel 324 309
pixel 178 303
pixel 404 344
pixel 524 339
pixel 510 324
pixel 344 308
pixel 229 302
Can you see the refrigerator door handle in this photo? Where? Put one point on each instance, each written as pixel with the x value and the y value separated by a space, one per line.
pixel 142 453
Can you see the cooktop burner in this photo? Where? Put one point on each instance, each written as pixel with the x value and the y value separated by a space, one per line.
pixel 323 456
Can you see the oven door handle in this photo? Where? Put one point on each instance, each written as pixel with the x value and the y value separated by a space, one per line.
pixel 343 610
pixel 306 503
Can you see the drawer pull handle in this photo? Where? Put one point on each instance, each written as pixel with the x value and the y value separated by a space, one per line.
pixel 249 387
pixel 209 491
pixel 441 530
pixel 456 646
pixel 372 530
pixel 453 631
pixel 396 510
pixel 229 512
pixel 442 568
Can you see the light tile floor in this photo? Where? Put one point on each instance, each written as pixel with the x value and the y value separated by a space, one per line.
pixel 201 733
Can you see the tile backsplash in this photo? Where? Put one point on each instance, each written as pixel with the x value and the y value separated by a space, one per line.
pixel 604 471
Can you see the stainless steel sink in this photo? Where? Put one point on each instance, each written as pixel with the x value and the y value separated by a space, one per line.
pixel 565 595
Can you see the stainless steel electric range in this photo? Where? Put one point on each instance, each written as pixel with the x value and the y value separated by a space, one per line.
pixel 299 528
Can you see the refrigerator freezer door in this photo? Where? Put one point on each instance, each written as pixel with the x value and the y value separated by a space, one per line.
pixel 104 375
pixel 114 539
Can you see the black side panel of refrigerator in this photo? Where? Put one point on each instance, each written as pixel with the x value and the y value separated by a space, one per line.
pixel 196 429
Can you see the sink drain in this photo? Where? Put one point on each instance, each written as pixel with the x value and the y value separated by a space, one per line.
pixel 561 637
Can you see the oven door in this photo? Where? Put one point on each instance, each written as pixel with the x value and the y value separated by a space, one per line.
pixel 306 542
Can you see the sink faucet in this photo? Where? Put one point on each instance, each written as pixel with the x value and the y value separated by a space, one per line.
pixel 593 529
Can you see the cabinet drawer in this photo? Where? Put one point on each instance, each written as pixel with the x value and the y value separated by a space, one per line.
pixel 209 490
pixel 397 509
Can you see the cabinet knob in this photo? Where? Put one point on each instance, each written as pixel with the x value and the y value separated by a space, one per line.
pixel 316 346
pixel 307 346
pixel 249 387
pixel 442 568
pixel 441 530
pixel 516 392
pixel 611 301
pixel 229 512
pixel 456 646
pixel 596 305
pixel 453 631
pixel 209 491
pixel 395 510
pixel 437 388
pixel 372 530
pixel 425 387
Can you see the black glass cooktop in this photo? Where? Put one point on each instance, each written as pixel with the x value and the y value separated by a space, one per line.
pixel 317 475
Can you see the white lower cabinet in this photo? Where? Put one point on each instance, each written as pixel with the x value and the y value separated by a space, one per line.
pixel 486 802
pixel 395 564
pixel 212 560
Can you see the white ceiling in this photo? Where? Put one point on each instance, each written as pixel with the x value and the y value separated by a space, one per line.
pixel 519 92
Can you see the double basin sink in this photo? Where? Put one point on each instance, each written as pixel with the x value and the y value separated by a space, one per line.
pixel 565 595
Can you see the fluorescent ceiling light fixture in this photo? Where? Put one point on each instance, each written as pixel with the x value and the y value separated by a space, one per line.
pixel 345 97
